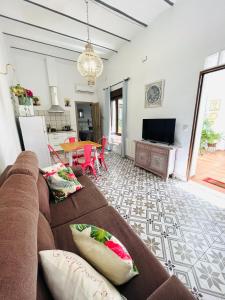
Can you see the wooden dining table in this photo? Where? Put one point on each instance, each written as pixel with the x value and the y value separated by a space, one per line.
pixel 69 148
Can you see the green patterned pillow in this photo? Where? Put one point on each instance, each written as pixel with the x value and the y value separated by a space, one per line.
pixel 61 181
pixel 105 252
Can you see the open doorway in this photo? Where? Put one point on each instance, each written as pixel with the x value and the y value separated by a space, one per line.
pixel 116 108
pixel 88 121
pixel 207 152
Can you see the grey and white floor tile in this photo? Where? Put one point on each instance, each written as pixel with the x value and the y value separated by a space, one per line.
pixel 186 233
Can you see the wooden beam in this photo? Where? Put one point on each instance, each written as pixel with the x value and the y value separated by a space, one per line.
pixel 43 43
pixel 169 2
pixel 77 20
pixel 56 32
pixel 121 13
pixel 42 53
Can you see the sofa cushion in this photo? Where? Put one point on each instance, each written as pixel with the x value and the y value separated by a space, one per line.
pixel 105 252
pixel 82 202
pixel 172 289
pixel 27 164
pixel 152 274
pixel 88 199
pixel 69 277
pixel 45 239
pixel 43 195
pixel 18 232
pixel 43 292
pixel 62 212
pixel 77 170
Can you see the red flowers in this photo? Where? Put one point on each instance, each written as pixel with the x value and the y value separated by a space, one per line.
pixel 71 176
pixel 29 93
pixel 116 248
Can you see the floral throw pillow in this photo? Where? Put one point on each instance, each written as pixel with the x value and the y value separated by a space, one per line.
pixel 105 252
pixel 61 181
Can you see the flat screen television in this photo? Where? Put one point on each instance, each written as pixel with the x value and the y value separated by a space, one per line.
pixel 159 130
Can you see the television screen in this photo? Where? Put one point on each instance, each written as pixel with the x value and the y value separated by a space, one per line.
pixel 159 130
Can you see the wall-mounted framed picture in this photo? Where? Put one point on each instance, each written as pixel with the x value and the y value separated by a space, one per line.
pixel 154 93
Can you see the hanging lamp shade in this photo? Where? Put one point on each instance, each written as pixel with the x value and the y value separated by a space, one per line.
pixel 89 64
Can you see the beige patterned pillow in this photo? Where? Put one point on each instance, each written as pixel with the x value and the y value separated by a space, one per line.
pixel 70 277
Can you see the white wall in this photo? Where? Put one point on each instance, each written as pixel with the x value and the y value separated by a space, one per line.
pixel 9 142
pixel 176 45
pixel 31 73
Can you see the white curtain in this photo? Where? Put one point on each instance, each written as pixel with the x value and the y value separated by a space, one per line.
pixel 124 121
pixel 107 116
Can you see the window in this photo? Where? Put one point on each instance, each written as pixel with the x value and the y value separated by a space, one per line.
pixel 116 112
pixel 214 60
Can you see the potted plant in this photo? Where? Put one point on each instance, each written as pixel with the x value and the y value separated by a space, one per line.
pixel 213 138
pixel 25 100
pixel 209 137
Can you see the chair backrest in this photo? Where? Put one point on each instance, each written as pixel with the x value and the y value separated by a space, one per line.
pixel 104 142
pixel 54 154
pixel 87 153
pixel 70 139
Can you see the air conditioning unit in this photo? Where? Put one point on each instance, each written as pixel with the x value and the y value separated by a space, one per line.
pixel 85 89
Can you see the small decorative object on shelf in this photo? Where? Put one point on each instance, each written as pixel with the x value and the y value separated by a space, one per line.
pixel 36 101
pixel 23 100
pixel 67 102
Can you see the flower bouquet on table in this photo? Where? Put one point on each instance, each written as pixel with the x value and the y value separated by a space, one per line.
pixel 25 100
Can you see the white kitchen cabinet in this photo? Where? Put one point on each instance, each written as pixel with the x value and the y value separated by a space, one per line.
pixel 57 138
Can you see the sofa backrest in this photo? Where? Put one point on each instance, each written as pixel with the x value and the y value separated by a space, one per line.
pixel 19 211
pixel 19 214
pixel 27 164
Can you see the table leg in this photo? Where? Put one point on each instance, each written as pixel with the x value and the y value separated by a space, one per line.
pixel 96 159
pixel 70 154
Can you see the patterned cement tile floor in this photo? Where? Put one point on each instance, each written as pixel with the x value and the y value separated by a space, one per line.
pixel 184 232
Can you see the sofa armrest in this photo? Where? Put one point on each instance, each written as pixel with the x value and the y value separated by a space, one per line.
pixel 77 171
pixel 171 289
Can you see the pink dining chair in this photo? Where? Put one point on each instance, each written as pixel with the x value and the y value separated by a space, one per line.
pixel 101 155
pixel 71 140
pixel 87 161
pixel 55 156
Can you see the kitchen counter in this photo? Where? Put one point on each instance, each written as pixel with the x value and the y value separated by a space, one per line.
pixel 62 131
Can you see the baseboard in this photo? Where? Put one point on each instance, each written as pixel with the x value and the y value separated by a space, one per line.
pixel 180 177
pixel 131 158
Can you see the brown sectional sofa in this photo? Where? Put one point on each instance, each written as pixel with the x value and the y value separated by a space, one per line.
pixel 28 224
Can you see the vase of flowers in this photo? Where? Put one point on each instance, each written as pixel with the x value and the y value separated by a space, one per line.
pixel 25 100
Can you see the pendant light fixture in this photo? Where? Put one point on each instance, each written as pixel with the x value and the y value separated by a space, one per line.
pixel 89 64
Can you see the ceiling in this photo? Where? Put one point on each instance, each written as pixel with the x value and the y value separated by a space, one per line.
pixel 119 20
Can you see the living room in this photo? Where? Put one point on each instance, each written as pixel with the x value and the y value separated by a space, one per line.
pixel 150 60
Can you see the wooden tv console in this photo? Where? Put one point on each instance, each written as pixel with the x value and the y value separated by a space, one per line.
pixel 156 158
